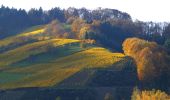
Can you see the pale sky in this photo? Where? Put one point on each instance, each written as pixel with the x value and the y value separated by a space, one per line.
pixel 145 10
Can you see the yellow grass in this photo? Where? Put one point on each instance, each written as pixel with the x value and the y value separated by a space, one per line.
pixel 91 58
pixel 54 72
pixel 31 49
pixel 94 57
pixel 20 37
pixel 32 33
pixel 48 77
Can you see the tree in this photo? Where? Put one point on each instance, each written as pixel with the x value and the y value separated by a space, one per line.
pixel 167 45
pixel 166 32
pixel 55 29
pixel 35 16
pixel 109 27
pixel 77 25
pixel 56 13
pixel 151 59
pixel 108 96
pixel 85 14
pixel 84 32
pixel 149 95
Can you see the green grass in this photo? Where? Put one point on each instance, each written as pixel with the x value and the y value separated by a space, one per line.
pixel 7 77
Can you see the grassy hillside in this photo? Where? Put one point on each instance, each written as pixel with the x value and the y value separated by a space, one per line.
pixel 31 31
pixel 25 51
pixel 56 70
pixel 48 62
pixel 28 36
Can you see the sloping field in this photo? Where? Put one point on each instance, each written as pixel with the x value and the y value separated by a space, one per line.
pixel 55 70
pixel 25 51
pixel 22 36
pixel 27 60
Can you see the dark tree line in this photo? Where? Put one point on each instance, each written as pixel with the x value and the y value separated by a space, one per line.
pixel 12 20
pixel 112 32
pixel 108 27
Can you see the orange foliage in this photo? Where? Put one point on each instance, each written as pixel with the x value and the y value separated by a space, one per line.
pixel 83 32
pixel 150 95
pixel 150 58
pixel 55 29
pixel 77 24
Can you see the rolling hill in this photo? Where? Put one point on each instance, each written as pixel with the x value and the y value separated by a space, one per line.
pixel 31 60
pixel 44 63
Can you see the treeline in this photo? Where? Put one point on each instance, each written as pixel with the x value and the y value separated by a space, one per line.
pixel 109 27
pixel 12 19
pixel 111 32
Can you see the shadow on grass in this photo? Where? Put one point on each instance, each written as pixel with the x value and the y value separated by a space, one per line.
pixel 88 84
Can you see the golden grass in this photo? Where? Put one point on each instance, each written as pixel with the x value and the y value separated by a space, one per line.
pixel 54 72
pixel 91 58
pixel 20 37
pixel 48 77
pixel 32 33
pixel 25 51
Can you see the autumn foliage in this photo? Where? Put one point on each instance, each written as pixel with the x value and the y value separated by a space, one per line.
pixel 149 95
pixel 151 59
pixel 77 25
pixel 55 29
